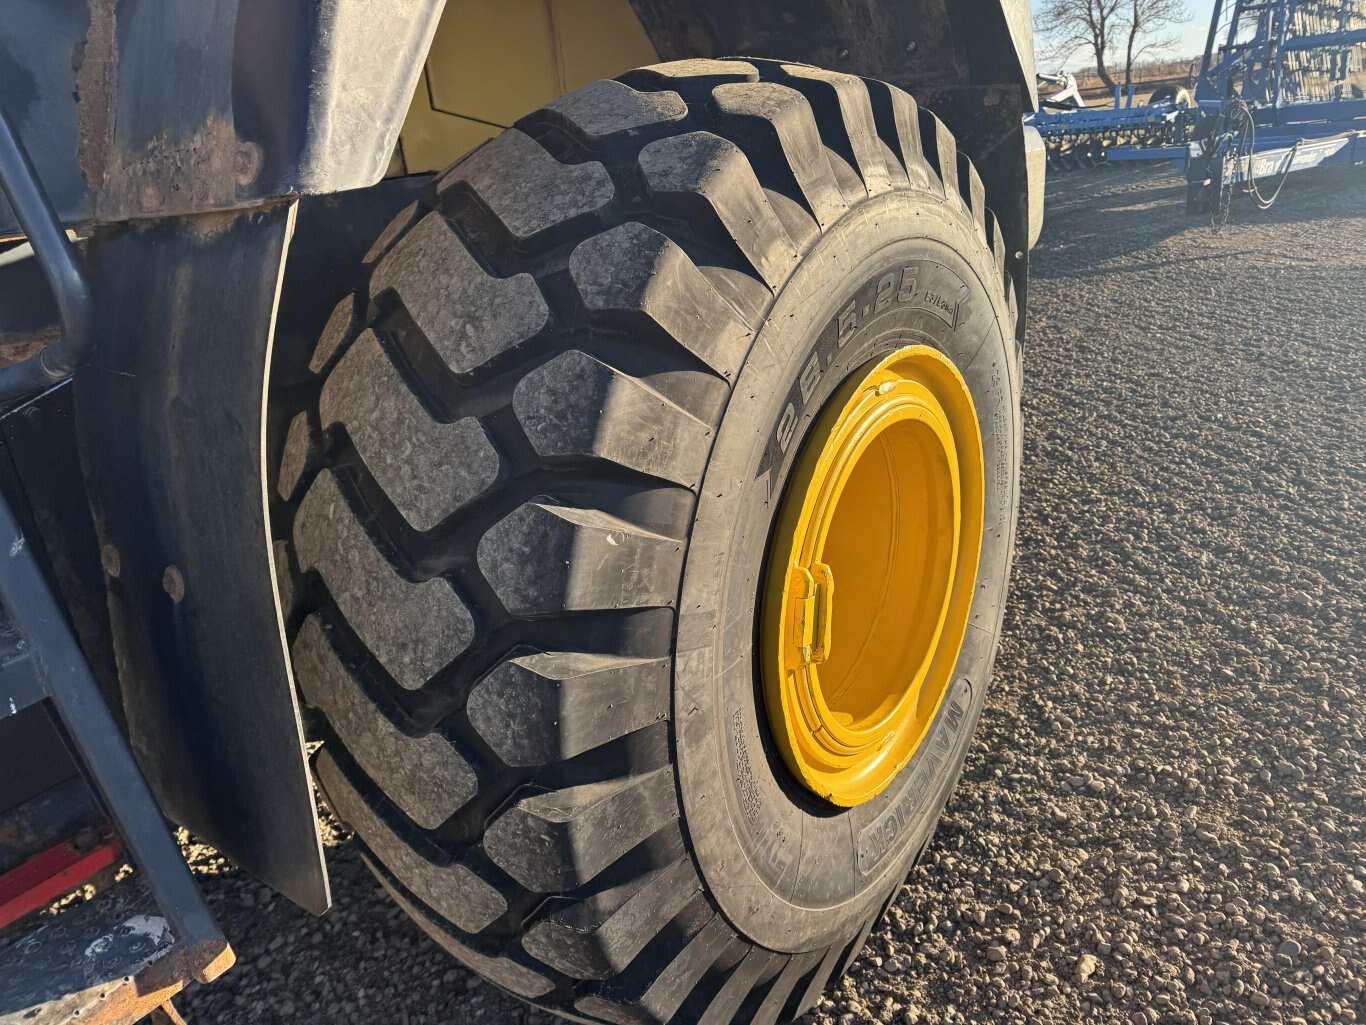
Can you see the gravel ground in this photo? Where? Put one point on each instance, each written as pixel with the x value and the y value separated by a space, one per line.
pixel 1162 818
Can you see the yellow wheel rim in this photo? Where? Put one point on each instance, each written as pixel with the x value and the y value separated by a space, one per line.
pixel 871 572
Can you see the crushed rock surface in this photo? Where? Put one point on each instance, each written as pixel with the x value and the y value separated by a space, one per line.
pixel 1161 821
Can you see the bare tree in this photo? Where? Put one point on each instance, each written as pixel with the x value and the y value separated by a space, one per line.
pixel 1110 30
pixel 1147 22
pixel 1070 25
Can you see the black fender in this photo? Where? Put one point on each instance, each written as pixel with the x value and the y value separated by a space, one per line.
pixel 177 136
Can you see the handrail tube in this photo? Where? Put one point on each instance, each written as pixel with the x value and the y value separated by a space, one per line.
pixel 57 259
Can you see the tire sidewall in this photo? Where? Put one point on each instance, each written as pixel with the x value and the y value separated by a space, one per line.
pixel 789 871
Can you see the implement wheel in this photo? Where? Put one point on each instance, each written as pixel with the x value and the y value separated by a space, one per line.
pixel 1176 96
pixel 650 528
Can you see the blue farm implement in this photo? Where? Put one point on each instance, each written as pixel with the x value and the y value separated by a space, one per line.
pixel 1279 90
pixel 1080 137
pixel 1283 93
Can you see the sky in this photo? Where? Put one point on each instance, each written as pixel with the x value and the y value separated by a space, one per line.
pixel 1194 31
pixel 1191 36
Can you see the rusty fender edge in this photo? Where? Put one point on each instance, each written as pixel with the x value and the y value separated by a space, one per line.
pixel 154 108
pixel 178 135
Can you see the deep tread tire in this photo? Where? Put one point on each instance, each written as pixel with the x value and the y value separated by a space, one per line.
pixel 489 501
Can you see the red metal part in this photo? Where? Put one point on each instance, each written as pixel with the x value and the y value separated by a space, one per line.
pixel 52 874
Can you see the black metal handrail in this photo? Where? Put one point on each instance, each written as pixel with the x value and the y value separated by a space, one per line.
pixel 57 258
pixel 64 679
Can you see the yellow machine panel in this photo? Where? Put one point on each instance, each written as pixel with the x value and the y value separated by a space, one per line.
pixel 494 60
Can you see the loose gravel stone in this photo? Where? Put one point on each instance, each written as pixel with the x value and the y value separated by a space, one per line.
pixel 1087 965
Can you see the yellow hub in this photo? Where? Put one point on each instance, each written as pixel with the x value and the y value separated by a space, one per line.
pixel 886 501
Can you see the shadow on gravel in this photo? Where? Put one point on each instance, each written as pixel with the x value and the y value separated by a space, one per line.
pixel 1128 212
pixel 363 963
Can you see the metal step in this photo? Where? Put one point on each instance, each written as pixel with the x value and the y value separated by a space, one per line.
pixel 107 961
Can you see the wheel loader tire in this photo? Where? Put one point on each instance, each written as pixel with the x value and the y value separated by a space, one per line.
pixel 528 510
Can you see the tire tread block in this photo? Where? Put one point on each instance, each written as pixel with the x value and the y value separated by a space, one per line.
pixel 546 707
pixel 526 188
pixel 851 952
pixel 898 122
pixel 401 223
pixel 779 995
pixel 501 971
pixel 604 108
pixel 941 150
pixel 997 242
pixel 576 405
pixel 294 457
pixel 562 839
pixel 790 122
pixel 424 775
pixel 702 170
pixel 657 1003
pixel 817 983
pixel 843 99
pixel 693 78
pixel 634 272
pixel 468 315
pixel 546 559
pixel 427 468
pixel 378 603
pixel 451 889
pixel 974 194
pixel 342 324
pixel 757 966
pixel 598 937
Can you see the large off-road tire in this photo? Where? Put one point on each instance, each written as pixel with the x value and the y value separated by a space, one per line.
pixel 527 515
